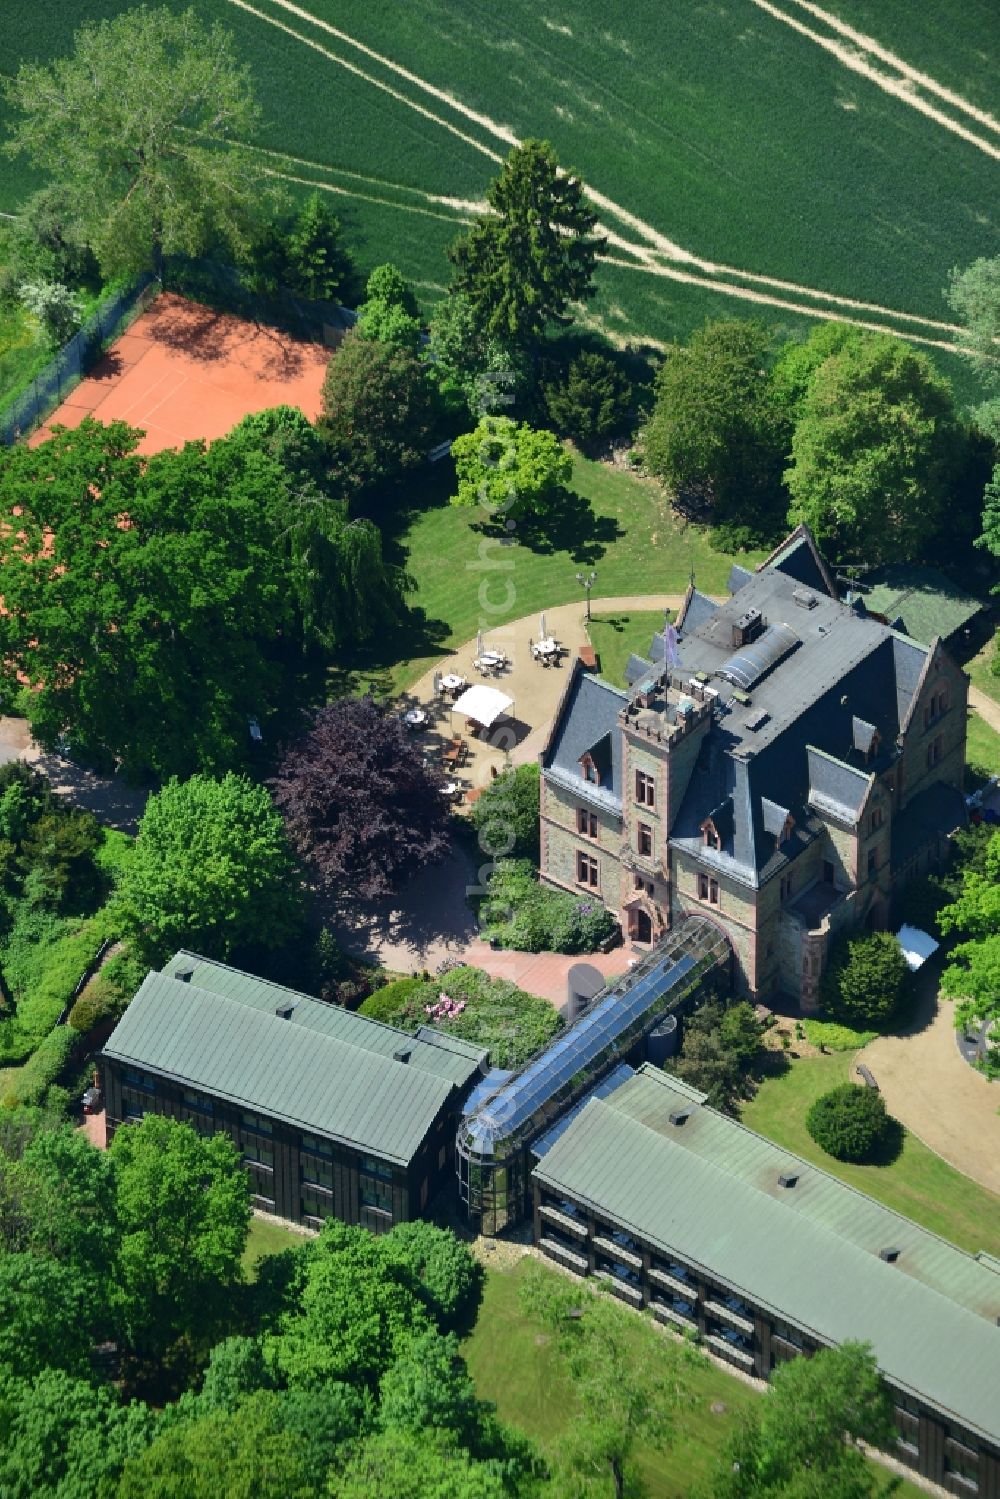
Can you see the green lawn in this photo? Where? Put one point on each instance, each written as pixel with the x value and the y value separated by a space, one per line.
pixel 710 126
pixel 515 1365
pixel 980 669
pixel 615 637
pixel 268 1238
pixel 625 530
pixel 982 749
pixel 23 352
pixel 918 1184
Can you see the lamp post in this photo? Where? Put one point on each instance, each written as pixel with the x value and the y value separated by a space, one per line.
pixel 586 582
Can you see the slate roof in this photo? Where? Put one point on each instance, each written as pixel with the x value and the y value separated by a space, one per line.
pixel 430 1050
pixel 636 668
pixel 809 1254
pixel 934 813
pixel 587 718
pixel 696 609
pixel 928 603
pixel 281 1068
pixel 737 577
pixel 836 789
pixel 797 556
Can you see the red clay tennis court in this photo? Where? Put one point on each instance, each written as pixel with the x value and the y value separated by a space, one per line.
pixel 184 371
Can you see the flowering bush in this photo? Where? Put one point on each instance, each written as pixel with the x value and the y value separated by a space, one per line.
pixel 528 917
pixel 492 1013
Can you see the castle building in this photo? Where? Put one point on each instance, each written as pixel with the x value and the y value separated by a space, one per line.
pixel 782 763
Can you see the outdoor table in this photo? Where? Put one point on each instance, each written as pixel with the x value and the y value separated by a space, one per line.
pixel 450 788
pixel 548 647
pixel 415 718
pixel 452 682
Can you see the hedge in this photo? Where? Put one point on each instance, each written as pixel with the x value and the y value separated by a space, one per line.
pixel 43 981
pixel 827 1033
pixel 492 1013
pixel 529 917
pixel 31 1083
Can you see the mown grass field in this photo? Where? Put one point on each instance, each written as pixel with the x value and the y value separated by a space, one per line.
pixel 722 131
pixel 918 1184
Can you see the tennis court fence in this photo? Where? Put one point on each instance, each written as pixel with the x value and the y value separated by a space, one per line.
pixel 53 384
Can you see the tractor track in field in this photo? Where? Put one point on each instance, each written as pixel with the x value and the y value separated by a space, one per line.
pixel 658 255
pixel 901 87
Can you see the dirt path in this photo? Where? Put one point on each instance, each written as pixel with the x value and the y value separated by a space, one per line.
pixel 934 1093
pixel 988 710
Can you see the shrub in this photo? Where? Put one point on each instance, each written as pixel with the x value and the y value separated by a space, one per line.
pixel 506 816
pixel 826 1033
pixel 527 917
pixel 101 1000
pixel 31 1083
pixel 849 1122
pixel 44 961
pixel 492 1013
pixel 56 307
pixel 866 980
pixel 448 1278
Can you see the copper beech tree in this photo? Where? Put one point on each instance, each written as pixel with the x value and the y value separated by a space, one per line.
pixel 362 810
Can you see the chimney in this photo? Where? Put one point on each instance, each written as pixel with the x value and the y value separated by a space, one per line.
pixel 184 971
pixel 402 1054
pixel 283 1009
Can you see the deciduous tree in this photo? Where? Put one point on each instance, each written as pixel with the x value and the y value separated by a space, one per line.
pixel 447 1277
pixel 631 1386
pixel 973 975
pixel 506 816
pixel 389 314
pixel 866 980
pixel 512 470
pixel 142 127
pixel 717 435
pixel 183 1208
pixel 378 412
pixel 719 1049
pixel 875 451
pixel 44 1321
pixel 411 1467
pixel 361 808
pixel 61 1436
pixel 802 1441
pixel 211 870
pixel 974 295
pixel 521 265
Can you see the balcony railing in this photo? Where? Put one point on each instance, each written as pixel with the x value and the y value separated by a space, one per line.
pixel 730 1351
pixel 616 1252
pixel 565 1256
pixel 570 1225
pixel 621 1288
pixel 726 1314
pixel 673 1283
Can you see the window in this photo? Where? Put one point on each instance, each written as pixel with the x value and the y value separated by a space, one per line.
pixel 708 889
pixel 315 1172
pixel 375 1194
pixel 586 823
pixel 258 1152
pixel 589 771
pixel 315 1205
pixel 424 1191
pixel 827 872
pixel 645 789
pixel 872 862
pixel 875 822
pixel 710 835
pixel 313 1145
pixel 198 1102
pixel 586 870
pixel 937 705
pixel 143 1080
pixel 934 752
pixel 961 1464
pixel 786 886
pixel 257 1122
pixel 907 1426
pixel 372 1166
pixel 644 840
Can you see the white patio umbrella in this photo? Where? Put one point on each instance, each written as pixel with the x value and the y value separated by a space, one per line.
pixel 542 631
pixel 479 644
pixel 484 704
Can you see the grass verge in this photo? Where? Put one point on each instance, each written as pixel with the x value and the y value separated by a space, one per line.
pixel 918 1183
pixel 267 1238
pixel 615 637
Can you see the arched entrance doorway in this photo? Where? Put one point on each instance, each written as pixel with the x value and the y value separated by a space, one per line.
pixel 640 925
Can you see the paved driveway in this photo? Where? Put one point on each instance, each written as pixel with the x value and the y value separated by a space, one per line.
pixel 938 1096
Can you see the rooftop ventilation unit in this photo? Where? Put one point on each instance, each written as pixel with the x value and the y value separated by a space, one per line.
pixel 747 627
pixel 185 972
pixel 680 1116
pixel 402 1054
pixel 742 697
pixel 758 719
pixel 283 1009
pixel 890 1255
pixel 805 598
pixel 788 1179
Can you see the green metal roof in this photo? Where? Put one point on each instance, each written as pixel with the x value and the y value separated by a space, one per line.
pixel 928 603
pixel 708 1191
pixel 430 1050
pixel 290 1069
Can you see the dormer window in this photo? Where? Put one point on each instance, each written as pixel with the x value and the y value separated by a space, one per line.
pixel 589 770
pixel 710 834
pixel 787 830
pixel 873 747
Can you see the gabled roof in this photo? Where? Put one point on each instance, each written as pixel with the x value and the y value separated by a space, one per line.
pixel 709 1193
pixel 587 721
pixel 295 1069
pixel 737 577
pixel 835 789
pixel 636 668
pixel 695 610
pixel 799 557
